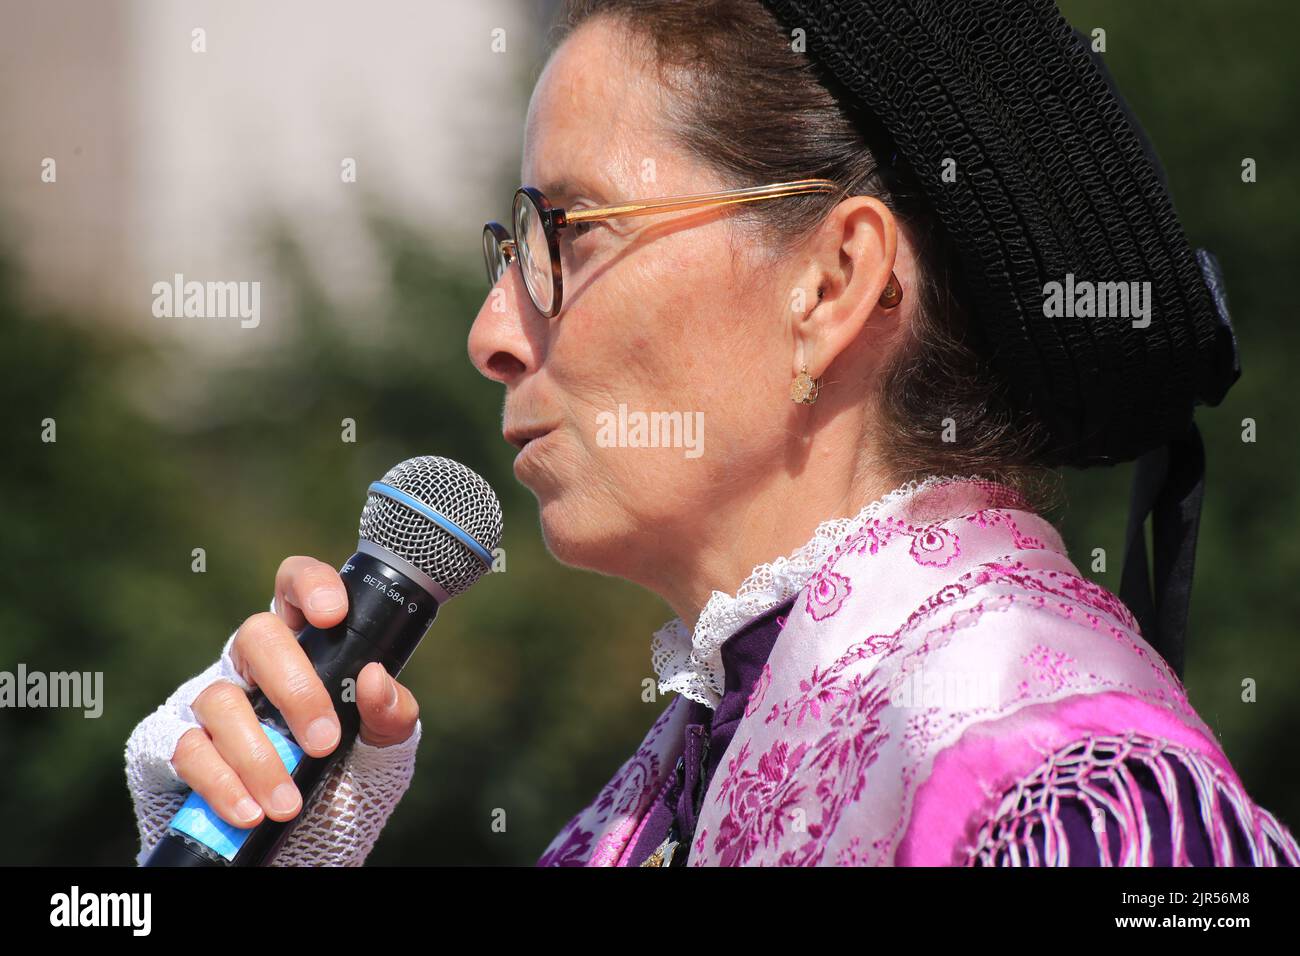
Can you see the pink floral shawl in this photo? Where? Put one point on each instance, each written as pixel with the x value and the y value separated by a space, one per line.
pixel 940 677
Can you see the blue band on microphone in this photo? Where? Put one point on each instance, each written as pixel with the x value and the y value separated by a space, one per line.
pixel 388 491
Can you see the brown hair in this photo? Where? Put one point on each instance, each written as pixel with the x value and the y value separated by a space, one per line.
pixel 758 111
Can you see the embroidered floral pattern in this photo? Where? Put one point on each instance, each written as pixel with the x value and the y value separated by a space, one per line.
pixel 1053 668
pixel 573 850
pixel 759 802
pixel 935 546
pixel 826 592
pixel 766 803
pixel 759 692
pixel 817 690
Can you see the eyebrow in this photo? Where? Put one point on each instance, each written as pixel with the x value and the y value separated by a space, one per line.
pixel 563 189
pixel 557 188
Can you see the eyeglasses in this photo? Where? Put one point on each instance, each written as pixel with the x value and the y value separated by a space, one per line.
pixel 537 224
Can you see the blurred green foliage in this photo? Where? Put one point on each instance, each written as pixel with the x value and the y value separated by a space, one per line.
pixel 530 683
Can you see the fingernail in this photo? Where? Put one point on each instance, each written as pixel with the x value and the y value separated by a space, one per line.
pixel 325 599
pixel 284 799
pixel 392 691
pixel 323 732
pixel 247 809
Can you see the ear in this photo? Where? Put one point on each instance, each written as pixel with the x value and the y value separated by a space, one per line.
pixel 848 262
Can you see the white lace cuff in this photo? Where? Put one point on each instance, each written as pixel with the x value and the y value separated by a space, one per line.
pixel 151 745
pixel 360 794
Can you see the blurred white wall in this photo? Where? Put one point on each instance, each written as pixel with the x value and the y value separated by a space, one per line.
pixel 167 157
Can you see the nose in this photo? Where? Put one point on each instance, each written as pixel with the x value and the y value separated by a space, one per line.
pixel 506 339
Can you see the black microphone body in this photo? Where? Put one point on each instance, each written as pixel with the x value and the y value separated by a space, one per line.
pixel 388 615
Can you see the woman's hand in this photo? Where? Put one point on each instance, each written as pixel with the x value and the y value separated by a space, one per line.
pixel 229 761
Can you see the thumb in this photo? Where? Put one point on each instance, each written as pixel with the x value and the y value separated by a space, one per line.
pixel 388 710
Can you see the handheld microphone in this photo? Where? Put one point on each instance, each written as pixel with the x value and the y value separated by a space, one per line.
pixel 427 533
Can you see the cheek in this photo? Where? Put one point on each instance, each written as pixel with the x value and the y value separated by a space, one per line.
pixel 635 338
pixel 677 332
pixel 722 352
pixel 695 328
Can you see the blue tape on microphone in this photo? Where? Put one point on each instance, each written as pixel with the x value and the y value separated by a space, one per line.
pixel 199 822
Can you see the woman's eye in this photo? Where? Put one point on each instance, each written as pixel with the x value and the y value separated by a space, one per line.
pixel 574 239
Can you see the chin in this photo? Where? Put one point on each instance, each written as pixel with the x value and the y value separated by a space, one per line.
pixel 576 534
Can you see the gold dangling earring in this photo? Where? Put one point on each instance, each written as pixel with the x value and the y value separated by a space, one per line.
pixel 803 390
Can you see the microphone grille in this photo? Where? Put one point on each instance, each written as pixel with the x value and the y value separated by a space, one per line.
pixel 459 495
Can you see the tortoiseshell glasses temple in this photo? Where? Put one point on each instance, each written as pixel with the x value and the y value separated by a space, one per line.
pixel 537 223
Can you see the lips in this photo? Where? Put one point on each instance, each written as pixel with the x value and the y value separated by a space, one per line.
pixel 519 436
pixel 530 444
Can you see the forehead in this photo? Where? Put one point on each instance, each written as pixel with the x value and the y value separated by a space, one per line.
pixel 594 116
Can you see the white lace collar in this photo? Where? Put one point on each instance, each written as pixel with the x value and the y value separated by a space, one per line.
pixel 691 664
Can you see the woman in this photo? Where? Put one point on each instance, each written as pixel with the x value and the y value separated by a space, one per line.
pixel 861 311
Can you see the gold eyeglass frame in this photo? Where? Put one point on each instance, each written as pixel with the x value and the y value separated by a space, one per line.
pixel 500 248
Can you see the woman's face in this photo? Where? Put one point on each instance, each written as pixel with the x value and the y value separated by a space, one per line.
pixel 664 315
